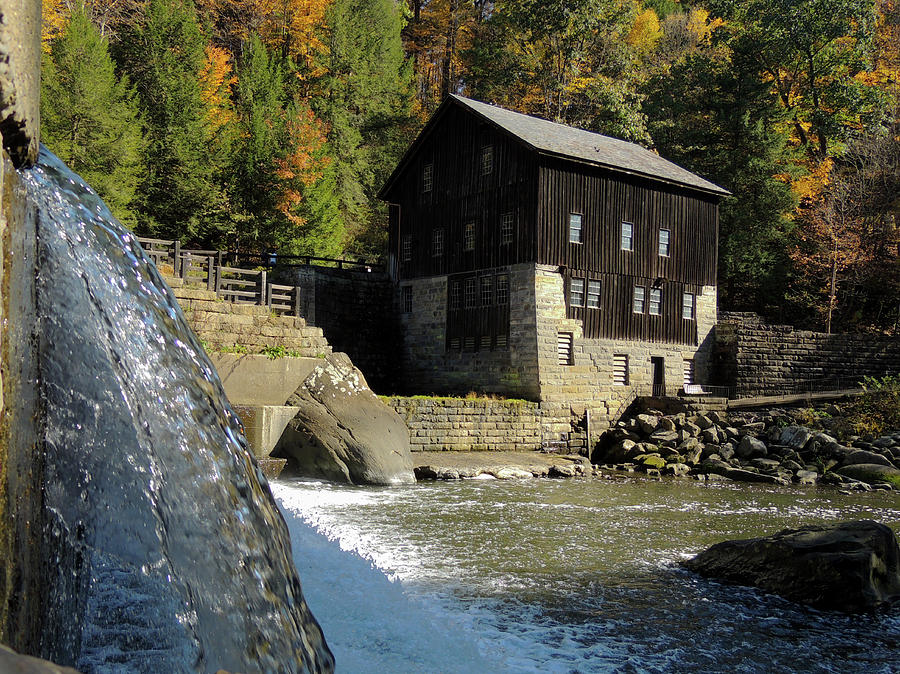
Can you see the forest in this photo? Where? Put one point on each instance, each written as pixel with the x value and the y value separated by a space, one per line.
pixel 259 125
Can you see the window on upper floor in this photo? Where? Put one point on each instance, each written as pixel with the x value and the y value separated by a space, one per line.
pixel 471 296
pixel 638 300
pixel 427 177
pixel 487 291
pixel 437 242
pixel 575 221
pixel 664 237
pixel 687 306
pixel 469 236
pixel 502 289
pixel 593 294
pixel 627 236
pixel 576 292
pixel 506 228
pixel 655 301
pixel 487 159
pixel 406 248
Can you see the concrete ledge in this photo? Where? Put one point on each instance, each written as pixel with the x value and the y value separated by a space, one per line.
pixel 263 425
pixel 251 379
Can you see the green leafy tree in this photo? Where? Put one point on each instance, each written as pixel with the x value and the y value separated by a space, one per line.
pixel 90 118
pixel 366 101
pixel 181 194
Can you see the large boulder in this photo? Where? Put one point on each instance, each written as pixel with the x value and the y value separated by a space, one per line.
pixel 850 566
pixel 872 473
pixel 343 432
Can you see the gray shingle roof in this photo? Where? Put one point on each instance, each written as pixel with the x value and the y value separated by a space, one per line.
pixel 581 145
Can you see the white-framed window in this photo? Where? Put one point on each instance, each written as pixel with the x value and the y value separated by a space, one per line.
pixel 506 228
pixel 564 348
pixel 487 159
pixel 620 369
pixel 655 301
pixel 437 242
pixel 576 292
pixel 638 300
pixel 665 236
pixel 455 294
pixel 688 372
pixel 575 221
pixel 487 291
pixel 471 296
pixel 593 294
pixel 407 299
pixel 627 236
pixel 406 248
pixel 469 236
pixel 687 306
pixel 502 289
pixel 427 177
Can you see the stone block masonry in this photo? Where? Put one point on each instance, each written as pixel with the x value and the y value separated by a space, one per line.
pixel 224 325
pixel 469 425
pixel 758 359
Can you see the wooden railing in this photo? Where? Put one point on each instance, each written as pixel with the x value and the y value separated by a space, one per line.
pixel 233 284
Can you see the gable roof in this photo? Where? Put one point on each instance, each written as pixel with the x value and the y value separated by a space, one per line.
pixel 567 142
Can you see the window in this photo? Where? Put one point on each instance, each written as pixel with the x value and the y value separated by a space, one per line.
pixel 469 236
pixel 576 292
pixel 688 372
pixel 575 227
pixel 484 343
pixel 455 344
pixel 427 177
pixel 620 369
pixel 638 304
pixel 502 341
pixel 407 299
pixel 655 301
pixel 564 348
pixel 506 228
pixel 406 248
pixel 437 242
pixel 687 306
pixel 664 235
pixel 502 289
pixel 593 294
pixel 455 294
pixel 487 159
pixel 627 236
pixel 471 298
pixel 487 291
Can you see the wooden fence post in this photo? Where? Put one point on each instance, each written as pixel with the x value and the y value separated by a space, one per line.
pixel 297 301
pixel 176 261
pixel 211 272
pixel 262 288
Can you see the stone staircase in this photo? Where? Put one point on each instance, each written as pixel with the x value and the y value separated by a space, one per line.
pixel 245 328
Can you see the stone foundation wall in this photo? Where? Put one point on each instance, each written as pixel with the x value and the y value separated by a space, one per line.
pixel 355 310
pixel 222 325
pixel 469 425
pixel 758 359
pixel 427 367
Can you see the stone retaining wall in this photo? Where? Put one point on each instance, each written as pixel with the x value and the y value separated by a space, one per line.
pixel 469 425
pixel 223 325
pixel 760 359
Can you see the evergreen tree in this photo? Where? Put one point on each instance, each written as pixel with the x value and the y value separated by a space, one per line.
pixel 90 118
pixel 164 55
pixel 366 102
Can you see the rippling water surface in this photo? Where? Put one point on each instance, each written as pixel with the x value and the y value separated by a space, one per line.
pixel 567 576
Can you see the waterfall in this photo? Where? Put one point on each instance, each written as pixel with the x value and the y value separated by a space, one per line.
pixel 174 556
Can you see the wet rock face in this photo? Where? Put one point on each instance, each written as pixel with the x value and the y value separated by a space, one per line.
pixel 343 432
pixel 20 79
pixel 851 566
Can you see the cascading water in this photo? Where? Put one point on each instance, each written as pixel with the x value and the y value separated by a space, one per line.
pixel 179 559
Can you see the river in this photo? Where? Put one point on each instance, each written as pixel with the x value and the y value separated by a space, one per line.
pixel 575 575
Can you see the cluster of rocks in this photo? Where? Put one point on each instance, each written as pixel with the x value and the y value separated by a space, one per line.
pixel 748 449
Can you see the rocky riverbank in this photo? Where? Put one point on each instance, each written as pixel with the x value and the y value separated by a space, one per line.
pixel 770 447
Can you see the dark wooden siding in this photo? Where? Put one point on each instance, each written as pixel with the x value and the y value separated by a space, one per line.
pixel 483 326
pixel 461 194
pixel 606 199
pixel 616 319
